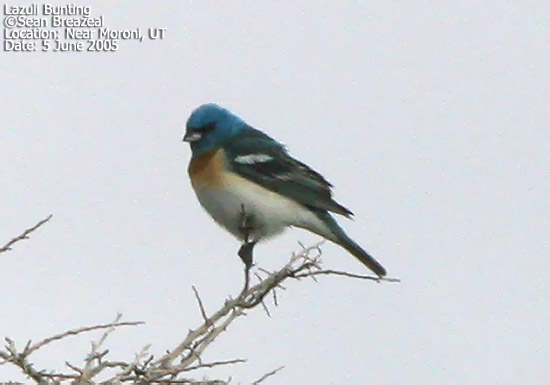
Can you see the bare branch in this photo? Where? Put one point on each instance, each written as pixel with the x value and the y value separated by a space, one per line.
pixel 186 356
pixel 24 235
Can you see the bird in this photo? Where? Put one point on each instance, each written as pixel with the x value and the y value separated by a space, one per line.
pixel 250 185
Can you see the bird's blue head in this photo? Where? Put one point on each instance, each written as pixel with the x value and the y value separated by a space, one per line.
pixel 209 126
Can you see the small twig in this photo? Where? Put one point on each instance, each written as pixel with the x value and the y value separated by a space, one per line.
pixel 60 376
pixel 265 308
pixel 201 306
pixel 24 235
pixel 93 364
pixel 210 337
pixel 133 367
pixel 212 364
pixel 258 276
pixel 269 273
pixel 73 332
pixel 136 380
pixel 70 366
pixel 267 375
pixel 345 274
pixel 20 360
pixel 275 302
pixel 107 332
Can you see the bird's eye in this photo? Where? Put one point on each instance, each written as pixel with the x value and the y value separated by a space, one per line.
pixel 209 127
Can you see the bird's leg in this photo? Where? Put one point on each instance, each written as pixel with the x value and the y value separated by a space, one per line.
pixel 245 252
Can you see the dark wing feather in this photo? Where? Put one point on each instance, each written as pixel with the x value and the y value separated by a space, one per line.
pixel 277 171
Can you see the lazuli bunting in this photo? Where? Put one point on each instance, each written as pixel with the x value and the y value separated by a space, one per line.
pixel 251 186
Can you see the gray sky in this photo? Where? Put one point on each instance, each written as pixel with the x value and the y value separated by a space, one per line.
pixel 430 119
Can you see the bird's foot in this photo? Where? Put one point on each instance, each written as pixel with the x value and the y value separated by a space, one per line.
pixel 245 253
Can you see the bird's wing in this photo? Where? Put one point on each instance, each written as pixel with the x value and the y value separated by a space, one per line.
pixel 262 160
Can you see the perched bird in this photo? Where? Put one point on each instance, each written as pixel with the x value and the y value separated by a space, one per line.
pixel 250 185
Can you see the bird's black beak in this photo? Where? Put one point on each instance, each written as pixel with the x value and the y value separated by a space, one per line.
pixel 192 136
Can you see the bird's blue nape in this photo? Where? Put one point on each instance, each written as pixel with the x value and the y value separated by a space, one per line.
pixel 209 125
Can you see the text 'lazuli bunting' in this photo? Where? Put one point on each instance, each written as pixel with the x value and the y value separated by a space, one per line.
pixel 250 185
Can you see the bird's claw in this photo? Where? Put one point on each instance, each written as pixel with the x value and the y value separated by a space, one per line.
pixel 245 253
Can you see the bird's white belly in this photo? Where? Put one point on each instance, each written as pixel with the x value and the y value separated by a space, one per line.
pixel 270 212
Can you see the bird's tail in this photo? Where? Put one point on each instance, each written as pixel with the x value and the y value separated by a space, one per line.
pixel 365 258
pixel 342 239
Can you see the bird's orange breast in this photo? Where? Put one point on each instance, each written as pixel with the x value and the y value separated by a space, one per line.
pixel 208 169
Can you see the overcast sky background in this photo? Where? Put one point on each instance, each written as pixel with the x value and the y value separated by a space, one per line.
pixel 431 119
